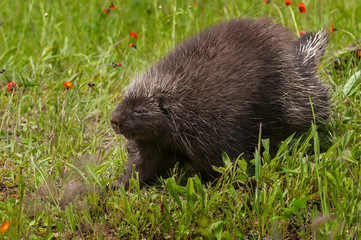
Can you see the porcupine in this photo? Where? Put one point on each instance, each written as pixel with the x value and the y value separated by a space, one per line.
pixel 210 94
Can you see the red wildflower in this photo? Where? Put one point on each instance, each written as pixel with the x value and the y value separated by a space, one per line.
pixel 68 85
pixel 333 29
pixel 359 53
pixel 4 227
pixel 288 2
pixel 132 45
pixel 12 86
pixel 15 195
pixel 267 1
pixel 115 65
pixel 302 32
pixel 133 34
pixel 194 3
pixel 111 7
pixel 302 7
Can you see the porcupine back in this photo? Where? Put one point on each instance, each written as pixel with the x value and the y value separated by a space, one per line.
pixel 309 51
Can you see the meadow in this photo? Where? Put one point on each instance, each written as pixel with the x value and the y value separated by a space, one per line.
pixel 59 154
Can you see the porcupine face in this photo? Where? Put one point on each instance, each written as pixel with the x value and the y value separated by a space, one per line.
pixel 143 118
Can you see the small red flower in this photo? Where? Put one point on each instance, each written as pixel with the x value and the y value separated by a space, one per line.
pixel 288 2
pixel 108 10
pixel 302 32
pixel 133 34
pixel 115 65
pixel 302 7
pixel 359 53
pixel 68 85
pixel 15 196
pixel 4 227
pixel 132 45
pixel 112 6
pixel 12 86
pixel 333 29
pixel 267 1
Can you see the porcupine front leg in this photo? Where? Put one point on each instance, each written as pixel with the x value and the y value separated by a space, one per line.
pixel 150 161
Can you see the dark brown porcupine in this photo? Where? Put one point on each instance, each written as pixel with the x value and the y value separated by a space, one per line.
pixel 210 94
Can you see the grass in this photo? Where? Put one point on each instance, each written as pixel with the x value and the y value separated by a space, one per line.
pixel 58 152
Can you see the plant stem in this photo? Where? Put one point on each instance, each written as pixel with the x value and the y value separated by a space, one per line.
pixel 6 112
pixel 279 12
pixel 294 21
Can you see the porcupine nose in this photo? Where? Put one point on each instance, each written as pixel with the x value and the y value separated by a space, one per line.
pixel 116 121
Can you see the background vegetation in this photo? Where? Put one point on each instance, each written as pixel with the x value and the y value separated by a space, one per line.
pixel 58 152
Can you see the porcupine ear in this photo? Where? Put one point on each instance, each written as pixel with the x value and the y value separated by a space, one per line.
pixel 311 47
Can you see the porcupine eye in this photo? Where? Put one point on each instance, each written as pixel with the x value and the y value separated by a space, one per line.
pixel 139 111
pixel 146 109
